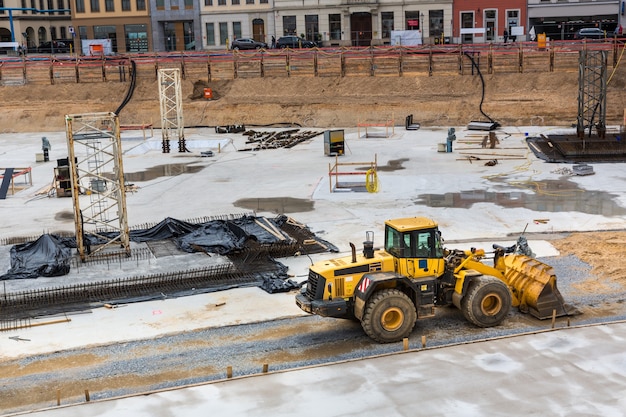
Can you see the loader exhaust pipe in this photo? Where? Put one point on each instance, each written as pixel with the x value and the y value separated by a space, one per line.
pixel 353 252
pixel 368 245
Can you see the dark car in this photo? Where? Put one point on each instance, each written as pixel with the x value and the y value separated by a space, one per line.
pixel 590 33
pixel 247 43
pixel 294 42
pixel 53 47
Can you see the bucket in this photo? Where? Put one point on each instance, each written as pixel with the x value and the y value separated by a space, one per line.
pixel 442 147
pixel 208 93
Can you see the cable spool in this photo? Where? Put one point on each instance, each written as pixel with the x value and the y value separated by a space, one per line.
pixel 371 181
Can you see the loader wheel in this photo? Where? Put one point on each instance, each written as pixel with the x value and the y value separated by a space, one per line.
pixel 389 316
pixel 487 302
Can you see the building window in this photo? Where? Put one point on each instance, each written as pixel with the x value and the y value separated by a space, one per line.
pixel 311 27
pixel 208 2
pixel 174 5
pixel 22 5
pixel 210 34
pixel 61 5
pixel 387 24
pixel 126 5
pixel 262 1
pixel 512 20
pixel 223 32
pixel 188 4
pixel 33 6
pixel 106 32
pixel 435 20
pixel 160 4
pixel 141 4
pixel 221 2
pixel 412 20
pixel 94 5
pixel 63 32
pixel 80 6
pixel 82 32
pixel 53 33
pixel 289 25
pixel 109 5
pixel 235 2
pixel 136 37
pixel 249 1
pixel 236 30
pixel 189 36
pixel 334 25
pixel 50 6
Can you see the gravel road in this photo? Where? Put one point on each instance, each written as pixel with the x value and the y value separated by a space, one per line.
pixel 198 356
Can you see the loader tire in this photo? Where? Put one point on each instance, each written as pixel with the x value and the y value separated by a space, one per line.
pixel 389 316
pixel 487 302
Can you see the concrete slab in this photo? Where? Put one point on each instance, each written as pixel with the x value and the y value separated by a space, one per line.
pixel 537 374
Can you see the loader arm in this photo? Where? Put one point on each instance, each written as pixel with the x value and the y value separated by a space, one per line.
pixel 532 283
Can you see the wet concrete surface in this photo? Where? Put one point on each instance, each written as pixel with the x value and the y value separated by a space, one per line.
pixel 276 205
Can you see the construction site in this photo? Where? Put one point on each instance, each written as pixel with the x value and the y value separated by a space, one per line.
pixel 168 233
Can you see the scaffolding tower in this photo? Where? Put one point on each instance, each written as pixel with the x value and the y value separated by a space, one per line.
pixel 97 176
pixel 171 102
pixel 591 93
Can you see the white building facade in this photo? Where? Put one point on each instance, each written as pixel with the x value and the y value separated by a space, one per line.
pixel 327 22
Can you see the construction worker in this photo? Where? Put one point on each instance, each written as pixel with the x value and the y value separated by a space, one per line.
pixel 45 146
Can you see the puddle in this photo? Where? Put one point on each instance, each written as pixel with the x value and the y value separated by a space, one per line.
pixel 168 170
pixel 392 165
pixel 550 196
pixel 277 205
pixel 64 215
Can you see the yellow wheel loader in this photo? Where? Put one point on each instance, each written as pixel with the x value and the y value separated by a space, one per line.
pixel 388 289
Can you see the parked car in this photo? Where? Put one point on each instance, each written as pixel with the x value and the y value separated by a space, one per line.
pixel 590 33
pixel 53 47
pixel 247 43
pixel 294 42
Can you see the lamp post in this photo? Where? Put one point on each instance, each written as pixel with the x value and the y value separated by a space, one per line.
pixel 422 26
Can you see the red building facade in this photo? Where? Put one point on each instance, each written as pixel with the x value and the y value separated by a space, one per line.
pixel 480 21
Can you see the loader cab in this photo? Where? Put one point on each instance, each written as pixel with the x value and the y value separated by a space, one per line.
pixel 415 243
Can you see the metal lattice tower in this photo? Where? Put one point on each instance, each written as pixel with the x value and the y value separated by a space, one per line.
pixel 591 93
pixel 171 101
pixel 97 174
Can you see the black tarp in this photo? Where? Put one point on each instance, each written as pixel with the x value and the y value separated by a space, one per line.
pixel 48 256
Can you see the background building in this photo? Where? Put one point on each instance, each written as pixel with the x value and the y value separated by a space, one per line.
pixel 21 21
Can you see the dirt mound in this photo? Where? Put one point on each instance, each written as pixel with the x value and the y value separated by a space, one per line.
pixel 440 100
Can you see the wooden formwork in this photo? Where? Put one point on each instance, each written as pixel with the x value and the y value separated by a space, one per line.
pixel 357 66
pixel 415 64
pixel 222 69
pixel 505 62
pixel 302 65
pixel 146 68
pixel 386 66
pixel 536 62
pixel 445 64
pixel 566 61
pixel 329 65
pixel 91 72
pixel 248 67
pixel 38 73
pixel 197 70
pixel 117 71
pixel 12 73
pixel 63 72
pixel 275 66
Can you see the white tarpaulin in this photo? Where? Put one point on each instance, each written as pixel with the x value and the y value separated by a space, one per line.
pixel 96 47
pixel 406 37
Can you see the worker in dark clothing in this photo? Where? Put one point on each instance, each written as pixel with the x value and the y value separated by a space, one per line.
pixel 506 35
pixel 45 146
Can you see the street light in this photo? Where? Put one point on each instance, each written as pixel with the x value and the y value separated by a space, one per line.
pixel 422 26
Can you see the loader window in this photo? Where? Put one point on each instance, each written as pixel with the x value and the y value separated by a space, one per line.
pixel 424 245
pixel 396 243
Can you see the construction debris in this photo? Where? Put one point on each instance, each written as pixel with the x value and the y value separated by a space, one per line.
pixel 275 140
pixel 492 139
pixel 230 129
pixel 583 169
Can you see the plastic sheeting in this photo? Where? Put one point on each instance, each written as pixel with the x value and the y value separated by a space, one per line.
pixel 48 256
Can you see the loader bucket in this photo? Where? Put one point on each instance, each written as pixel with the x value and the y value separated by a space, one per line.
pixel 533 283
